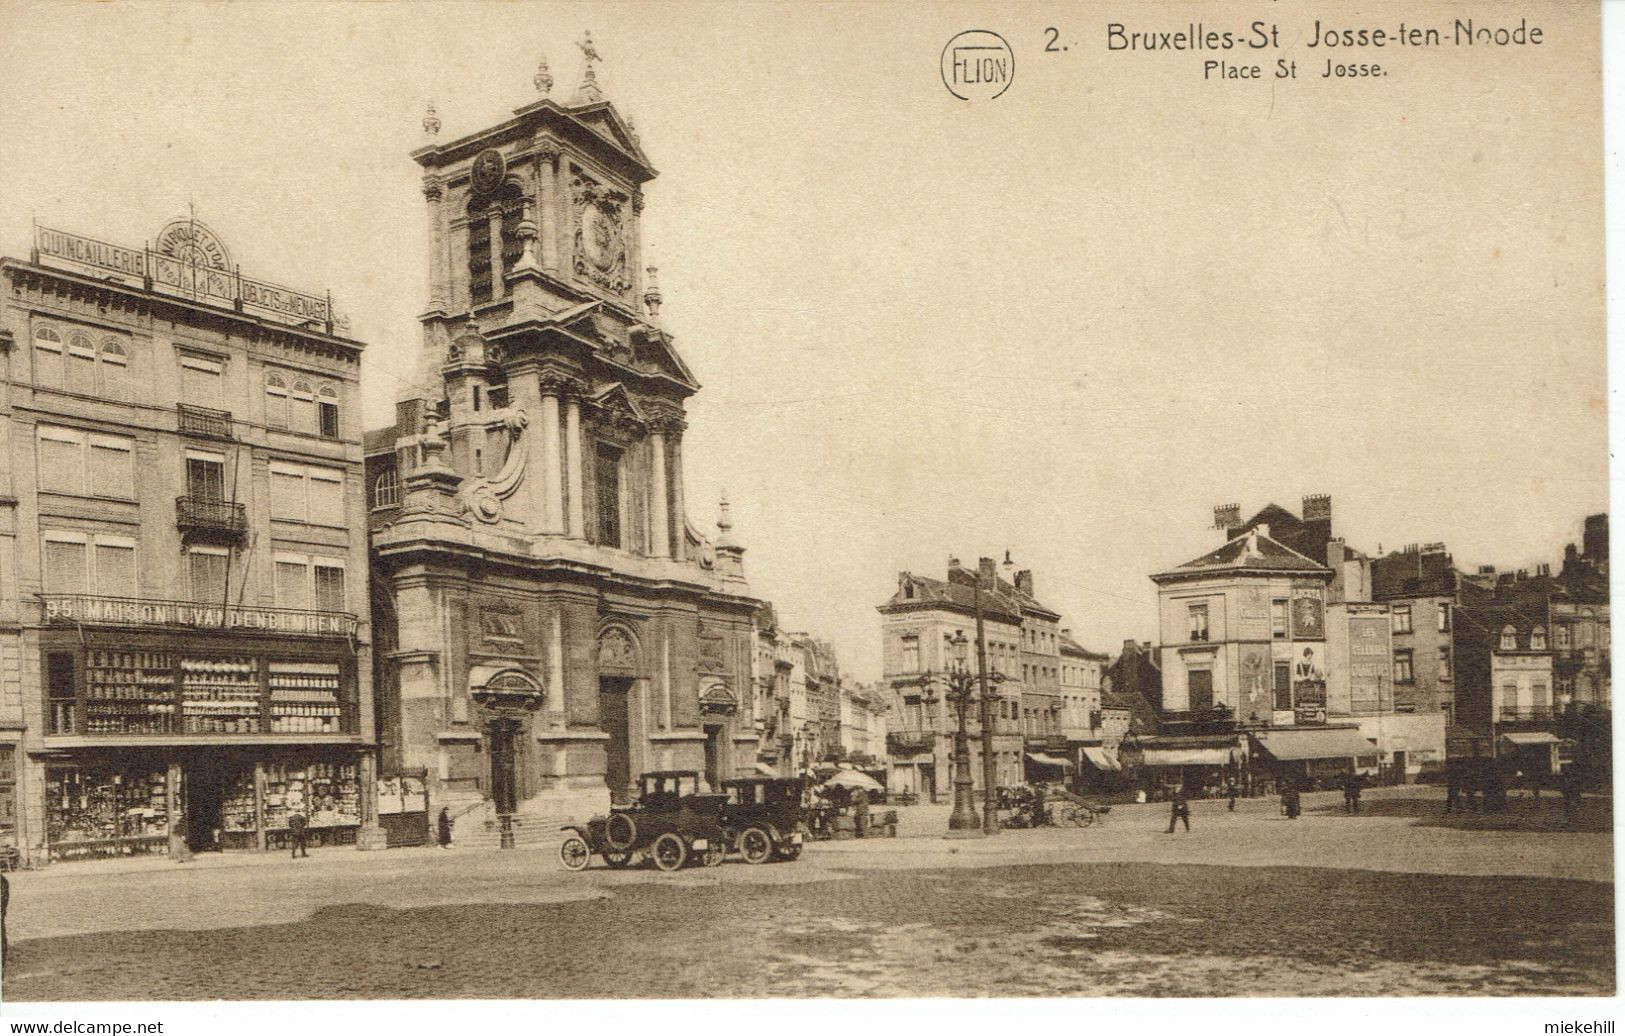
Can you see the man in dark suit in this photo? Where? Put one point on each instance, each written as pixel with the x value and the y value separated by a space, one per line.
pixel 296 830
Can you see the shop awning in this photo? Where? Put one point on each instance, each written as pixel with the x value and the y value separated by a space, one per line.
pixel 1047 760
pixel 1315 744
pixel 1186 757
pixel 1541 737
pixel 1100 758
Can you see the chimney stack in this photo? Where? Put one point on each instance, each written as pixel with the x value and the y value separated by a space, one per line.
pixel 986 571
pixel 953 563
pixel 1226 517
pixel 1024 581
pixel 1317 508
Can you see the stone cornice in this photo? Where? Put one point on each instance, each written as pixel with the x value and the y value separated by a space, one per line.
pixel 155 305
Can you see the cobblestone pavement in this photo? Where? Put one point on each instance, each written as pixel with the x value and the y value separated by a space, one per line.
pixel 1400 900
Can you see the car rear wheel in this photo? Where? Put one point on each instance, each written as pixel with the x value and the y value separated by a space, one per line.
pixel 574 854
pixel 618 860
pixel 714 856
pixel 755 845
pixel 669 851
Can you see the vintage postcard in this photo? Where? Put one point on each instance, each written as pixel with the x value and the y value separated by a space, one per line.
pixel 840 501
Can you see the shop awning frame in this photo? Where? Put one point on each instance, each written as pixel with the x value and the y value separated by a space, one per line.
pixel 1193 756
pixel 1048 760
pixel 1295 745
pixel 1101 759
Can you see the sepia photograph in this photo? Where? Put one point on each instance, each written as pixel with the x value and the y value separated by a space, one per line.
pixel 822 502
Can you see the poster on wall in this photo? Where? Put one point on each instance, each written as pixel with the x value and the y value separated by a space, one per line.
pixel 1308 618
pixel 1309 687
pixel 1256 672
pixel 1370 689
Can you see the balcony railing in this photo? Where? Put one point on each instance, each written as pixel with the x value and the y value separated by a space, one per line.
pixel 910 743
pixel 137 612
pixel 1529 714
pixel 200 420
pixel 220 518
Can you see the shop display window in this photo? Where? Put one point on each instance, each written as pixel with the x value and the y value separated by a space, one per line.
pixel 106 809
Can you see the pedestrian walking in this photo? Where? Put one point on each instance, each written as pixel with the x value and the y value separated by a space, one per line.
pixel 1571 796
pixel 296 832
pixel 1291 800
pixel 1348 793
pixel 860 812
pixel 1040 810
pixel 1180 810
pixel 443 827
pixel 1230 793
pixel 1356 785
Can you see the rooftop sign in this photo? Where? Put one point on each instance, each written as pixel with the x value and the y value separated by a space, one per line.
pixel 189 261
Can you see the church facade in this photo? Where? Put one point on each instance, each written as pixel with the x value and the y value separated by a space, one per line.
pixel 549 623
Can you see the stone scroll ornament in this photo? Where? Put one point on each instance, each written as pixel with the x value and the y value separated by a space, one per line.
pixel 483 498
pixel 600 236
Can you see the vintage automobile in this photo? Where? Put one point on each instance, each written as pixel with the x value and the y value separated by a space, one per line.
pixel 672 823
pixel 763 817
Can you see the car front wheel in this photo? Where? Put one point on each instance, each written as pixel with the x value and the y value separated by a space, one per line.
pixel 574 854
pixel 755 845
pixel 669 852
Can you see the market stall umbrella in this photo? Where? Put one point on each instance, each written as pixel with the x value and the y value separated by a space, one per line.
pixel 854 779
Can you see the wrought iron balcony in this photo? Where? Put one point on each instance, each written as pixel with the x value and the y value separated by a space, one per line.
pixel 201 517
pixel 1529 714
pixel 910 742
pixel 201 421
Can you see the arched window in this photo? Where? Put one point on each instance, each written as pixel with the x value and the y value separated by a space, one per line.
pixel 302 407
pixel 1537 639
pixel 327 411
pixel 47 357
pixel 1509 639
pixel 81 365
pixel 115 369
pixel 276 401
pixel 386 489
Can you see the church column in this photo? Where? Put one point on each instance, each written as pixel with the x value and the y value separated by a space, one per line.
pixel 659 521
pixel 574 459
pixel 547 201
pixel 498 289
pixel 435 193
pixel 679 514
pixel 634 245
pixel 552 476
pixel 565 208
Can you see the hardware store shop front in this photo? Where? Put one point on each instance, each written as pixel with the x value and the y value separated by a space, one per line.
pixel 159 741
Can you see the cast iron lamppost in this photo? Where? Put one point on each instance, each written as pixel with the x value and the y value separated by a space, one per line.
pixel 960 685
pixel 990 809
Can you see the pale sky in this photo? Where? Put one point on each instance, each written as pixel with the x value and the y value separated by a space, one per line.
pixel 1065 323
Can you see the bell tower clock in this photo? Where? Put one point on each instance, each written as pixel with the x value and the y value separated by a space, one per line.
pixel 534 216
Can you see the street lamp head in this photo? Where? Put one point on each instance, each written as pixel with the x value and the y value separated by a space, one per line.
pixel 959 646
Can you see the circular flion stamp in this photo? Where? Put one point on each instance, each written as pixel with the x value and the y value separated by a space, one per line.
pixel 978 65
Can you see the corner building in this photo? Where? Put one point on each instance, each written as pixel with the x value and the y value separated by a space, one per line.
pixel 550 623
pixel 183 556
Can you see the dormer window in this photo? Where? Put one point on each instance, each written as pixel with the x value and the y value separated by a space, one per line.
pixel 1509 639
pixel 1537 639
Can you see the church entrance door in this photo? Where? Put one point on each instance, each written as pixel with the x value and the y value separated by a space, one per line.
pixel 613 718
